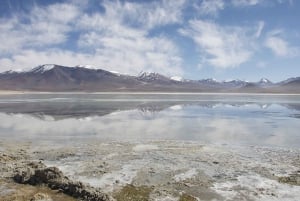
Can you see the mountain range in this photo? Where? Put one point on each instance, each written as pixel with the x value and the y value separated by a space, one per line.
pixel 57 78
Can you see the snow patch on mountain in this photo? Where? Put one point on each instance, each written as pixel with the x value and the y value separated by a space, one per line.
pixel 87 66
pixel 150 76
pixel 43 68
pixel 234 81
pixel 176 107
pixel 14 71
pixel 176 78
pixel 146 74
pixel 210 80
pixel 264 81
pixel 115 72
pixel 8 72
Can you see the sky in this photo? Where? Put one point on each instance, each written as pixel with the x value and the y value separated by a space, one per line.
pixel 194 39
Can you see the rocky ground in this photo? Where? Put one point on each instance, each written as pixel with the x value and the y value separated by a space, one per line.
pixel 154 171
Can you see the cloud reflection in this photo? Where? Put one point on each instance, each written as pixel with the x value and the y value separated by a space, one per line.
pixel 214 123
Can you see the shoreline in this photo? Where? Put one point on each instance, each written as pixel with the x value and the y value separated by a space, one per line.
pixel 10 92
pixel 164 170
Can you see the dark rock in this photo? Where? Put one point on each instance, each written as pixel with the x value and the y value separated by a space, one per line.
pixel 47 174
pixel 23 176
pixel 39 174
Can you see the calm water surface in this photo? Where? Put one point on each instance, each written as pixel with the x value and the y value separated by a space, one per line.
pixel 268 120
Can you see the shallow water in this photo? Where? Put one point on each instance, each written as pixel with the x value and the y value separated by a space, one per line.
pixel 269 120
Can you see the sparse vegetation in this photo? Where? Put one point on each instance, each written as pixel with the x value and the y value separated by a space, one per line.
pixel 186 197
pixel 133 193
pixel 293 179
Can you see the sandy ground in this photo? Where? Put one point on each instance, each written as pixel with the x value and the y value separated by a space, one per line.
pixel 159 171
pixel 10 92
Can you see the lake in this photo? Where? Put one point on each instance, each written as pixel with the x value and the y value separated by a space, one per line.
pixel 272 120
pixel 209 146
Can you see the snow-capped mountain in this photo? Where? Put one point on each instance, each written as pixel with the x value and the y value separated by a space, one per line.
pixel 227 83
pixel 235 83
pixel 13 71
pixel 42 68
pixel 150 76
pixel 265 82
pixel 154 78
pixel 51 77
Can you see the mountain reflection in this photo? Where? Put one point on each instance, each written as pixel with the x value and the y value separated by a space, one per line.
pixel 64 110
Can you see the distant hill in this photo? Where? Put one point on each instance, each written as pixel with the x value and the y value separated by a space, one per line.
pixel 56 78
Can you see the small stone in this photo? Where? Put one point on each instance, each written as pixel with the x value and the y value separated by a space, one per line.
pixel 41 197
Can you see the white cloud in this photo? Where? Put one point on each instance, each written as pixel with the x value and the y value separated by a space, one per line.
pixel 245 3
pixel 277 45
pixel 116 39
pixel 144 15
pixel 222 47
pixel 210 7
pixel 280 47
pixel 124 45
pixel 290 2
pixel 161 13
pixel 45 27
pixel 242 3
pixel 124 36
pixel 31 58
pixel 260 27
pixel 10 39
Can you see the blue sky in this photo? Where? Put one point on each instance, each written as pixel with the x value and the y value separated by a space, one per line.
pixel 195 39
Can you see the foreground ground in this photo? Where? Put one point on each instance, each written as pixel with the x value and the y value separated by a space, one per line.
pixel 156 171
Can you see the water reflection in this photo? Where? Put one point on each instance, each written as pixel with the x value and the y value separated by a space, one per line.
pixel 64 110
pixel 232 121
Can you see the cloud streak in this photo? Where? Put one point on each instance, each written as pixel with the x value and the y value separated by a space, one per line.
pixel 260 27
pixel 222 47
pixel 279 46
pixel 243 3
pixel 210 7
